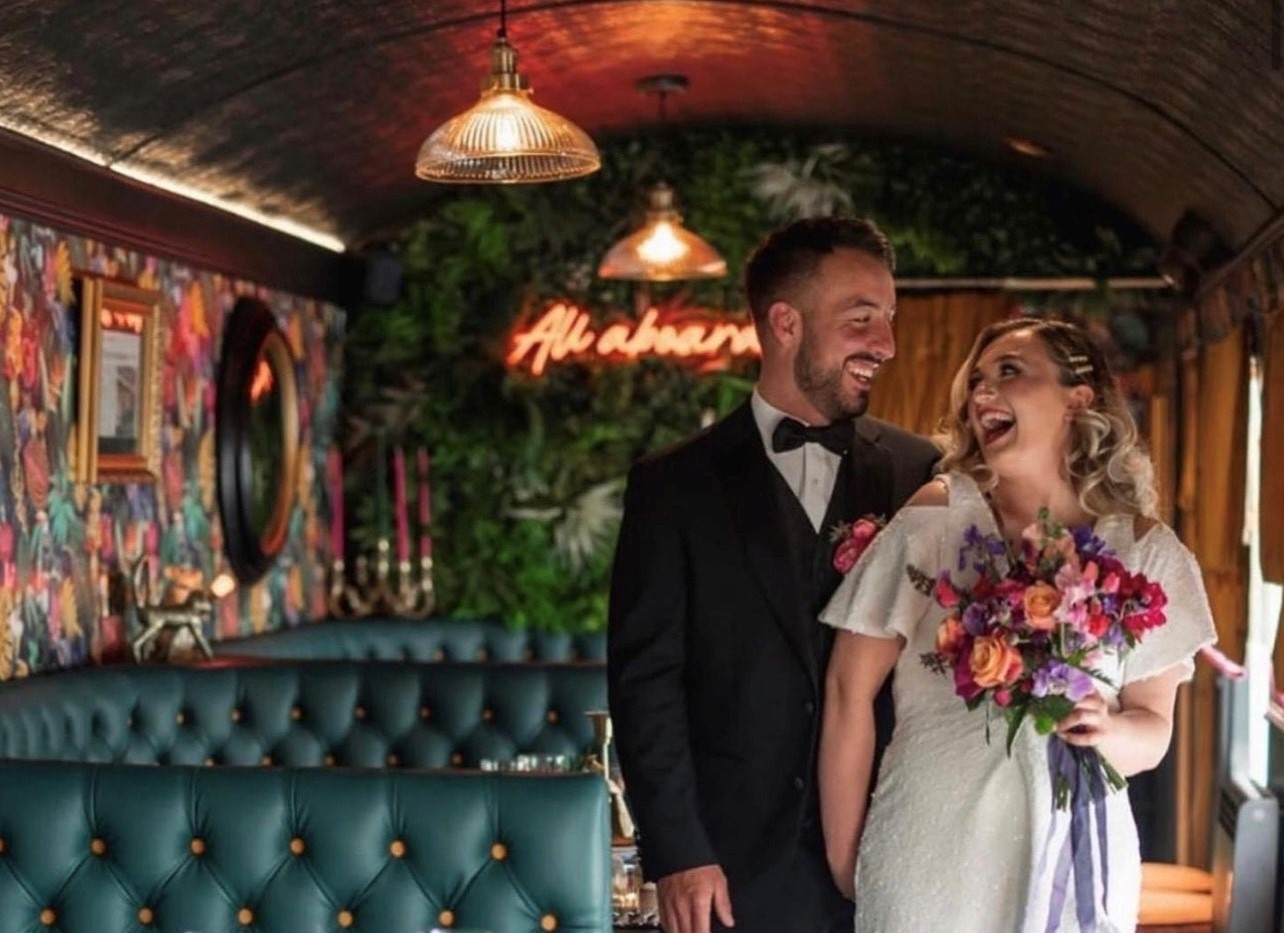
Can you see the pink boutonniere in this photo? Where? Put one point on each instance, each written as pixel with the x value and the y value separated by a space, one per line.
pixel 852 538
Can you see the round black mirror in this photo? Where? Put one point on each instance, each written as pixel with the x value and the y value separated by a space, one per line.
pixel 257 436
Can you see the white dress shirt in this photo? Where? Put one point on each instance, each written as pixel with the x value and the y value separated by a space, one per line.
pixel 809 470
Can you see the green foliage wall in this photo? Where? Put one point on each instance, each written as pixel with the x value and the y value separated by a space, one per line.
pixel 527 474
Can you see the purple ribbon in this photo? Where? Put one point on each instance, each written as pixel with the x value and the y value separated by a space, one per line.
pixel 1078 775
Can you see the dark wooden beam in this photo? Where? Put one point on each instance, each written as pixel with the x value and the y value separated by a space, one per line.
pixel 75 196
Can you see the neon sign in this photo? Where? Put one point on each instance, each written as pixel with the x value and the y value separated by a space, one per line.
pixel 565 332
pixel 115 319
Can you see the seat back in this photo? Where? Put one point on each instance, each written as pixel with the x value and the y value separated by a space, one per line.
pixel 355 713
pixel 391 639
pixel 90 848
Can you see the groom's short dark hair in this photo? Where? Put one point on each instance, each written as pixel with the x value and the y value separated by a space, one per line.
pixel 789 256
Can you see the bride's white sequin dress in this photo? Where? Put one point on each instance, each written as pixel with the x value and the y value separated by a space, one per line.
pixel 956 829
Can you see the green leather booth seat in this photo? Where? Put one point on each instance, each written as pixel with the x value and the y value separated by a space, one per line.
pixel 355 713
pixel 88 848
pixel 418 640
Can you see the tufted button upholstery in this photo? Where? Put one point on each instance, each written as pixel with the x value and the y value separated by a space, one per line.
pixel 345 918
pixel 418 640
pixel 241 715
pixel 499 851
pixel 97 846
pixel 245 879
pixel 548 923
pixel 298 846
pixel 397 849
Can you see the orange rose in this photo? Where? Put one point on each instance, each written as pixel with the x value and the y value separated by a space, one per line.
pixel 1040 601
pixel 949 636
pixel 994 662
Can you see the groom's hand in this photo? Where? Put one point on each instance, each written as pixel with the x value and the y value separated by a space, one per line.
pixel 687 898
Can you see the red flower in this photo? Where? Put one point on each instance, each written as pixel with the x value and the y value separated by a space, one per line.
pixel 946 596
pixel 1096 624
pixel 964 685
pixel 857 539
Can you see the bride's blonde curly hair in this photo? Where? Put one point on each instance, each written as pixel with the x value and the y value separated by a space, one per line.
pixel 1104 461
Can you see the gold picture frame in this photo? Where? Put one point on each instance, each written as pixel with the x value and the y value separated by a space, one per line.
pixel 118 416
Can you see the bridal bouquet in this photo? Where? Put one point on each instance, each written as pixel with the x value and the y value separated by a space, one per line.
pixel 1026 638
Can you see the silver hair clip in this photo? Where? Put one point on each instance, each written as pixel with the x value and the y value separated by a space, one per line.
pixel 1080 364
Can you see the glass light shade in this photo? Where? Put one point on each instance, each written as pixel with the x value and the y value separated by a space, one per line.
pixel 662 250
pixel 505 138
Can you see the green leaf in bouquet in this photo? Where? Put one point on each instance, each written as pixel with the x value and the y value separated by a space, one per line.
pixel 922 582
pixel 1050 710
pixel 1016 716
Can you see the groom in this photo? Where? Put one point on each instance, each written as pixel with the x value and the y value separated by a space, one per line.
pixel 716 656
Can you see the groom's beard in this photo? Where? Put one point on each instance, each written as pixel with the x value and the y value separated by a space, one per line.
pixel 825 386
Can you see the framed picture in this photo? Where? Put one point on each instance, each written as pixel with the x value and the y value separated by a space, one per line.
pixel 119 401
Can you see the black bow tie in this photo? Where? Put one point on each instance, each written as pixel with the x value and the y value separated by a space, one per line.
pixel 791 434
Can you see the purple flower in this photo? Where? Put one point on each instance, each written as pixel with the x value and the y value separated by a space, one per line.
pixel 1057 678
pixel 975 618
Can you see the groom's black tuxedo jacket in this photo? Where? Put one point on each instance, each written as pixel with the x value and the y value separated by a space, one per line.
pixel 716 657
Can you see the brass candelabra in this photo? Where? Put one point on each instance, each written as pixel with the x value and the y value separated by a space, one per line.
pixel 406 592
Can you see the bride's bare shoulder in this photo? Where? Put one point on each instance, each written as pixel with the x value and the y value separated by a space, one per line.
pixel 935 491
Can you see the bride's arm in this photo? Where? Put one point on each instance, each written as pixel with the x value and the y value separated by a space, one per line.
pixel 857 668
pixel 1135 737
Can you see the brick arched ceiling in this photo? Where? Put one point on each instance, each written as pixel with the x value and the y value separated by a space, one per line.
pixel 315 109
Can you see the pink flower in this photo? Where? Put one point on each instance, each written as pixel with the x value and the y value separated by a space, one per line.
pixel 1003 698
pixel 850 549
pixel 946 596
pixel 846 554
pixel 1011 591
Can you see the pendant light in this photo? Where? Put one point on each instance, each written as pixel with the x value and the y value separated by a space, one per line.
pixel 505 138
pixel 662 250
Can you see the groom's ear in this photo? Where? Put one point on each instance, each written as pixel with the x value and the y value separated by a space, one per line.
pixel 785 323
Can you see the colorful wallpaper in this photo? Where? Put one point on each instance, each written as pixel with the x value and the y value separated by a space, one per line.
pixel 61 541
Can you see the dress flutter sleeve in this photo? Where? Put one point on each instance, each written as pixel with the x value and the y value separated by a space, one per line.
pixel 1189 626
pixel 876 597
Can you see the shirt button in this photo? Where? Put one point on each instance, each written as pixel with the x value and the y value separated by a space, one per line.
pixel 799 783
pixel 809 707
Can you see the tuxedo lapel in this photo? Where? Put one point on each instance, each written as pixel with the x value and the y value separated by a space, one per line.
pixel 747 482
pixel 872 478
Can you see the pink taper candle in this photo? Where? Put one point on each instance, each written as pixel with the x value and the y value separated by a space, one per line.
pixel 425 509
pixel 399 504
pixel 335 464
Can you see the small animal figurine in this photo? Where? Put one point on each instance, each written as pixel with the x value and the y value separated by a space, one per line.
pixel 167 625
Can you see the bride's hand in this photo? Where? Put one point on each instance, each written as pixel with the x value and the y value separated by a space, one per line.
pixel 1088 724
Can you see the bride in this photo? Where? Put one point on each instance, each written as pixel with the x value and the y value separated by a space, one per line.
pixel 957 835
